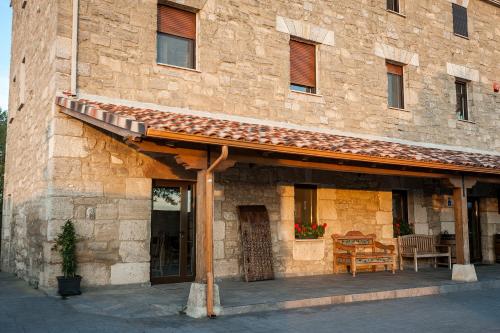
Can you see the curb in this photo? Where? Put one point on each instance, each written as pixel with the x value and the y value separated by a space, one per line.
pixel 363 297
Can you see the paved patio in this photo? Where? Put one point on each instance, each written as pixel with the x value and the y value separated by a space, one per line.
pixel 240 297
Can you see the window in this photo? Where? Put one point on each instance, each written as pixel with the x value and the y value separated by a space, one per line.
pixel 305 204
pixel 460 20
pixel 395 87
pixel 302 67
pixel 401 225
pixel 176 37
pixel 462 106
pixel 393 5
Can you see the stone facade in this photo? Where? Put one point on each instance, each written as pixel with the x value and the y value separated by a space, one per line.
pixel 58 168
pixel 243 64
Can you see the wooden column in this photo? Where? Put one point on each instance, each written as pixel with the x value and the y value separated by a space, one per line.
pixel 461 226
pixel 460 186
pixel 201 272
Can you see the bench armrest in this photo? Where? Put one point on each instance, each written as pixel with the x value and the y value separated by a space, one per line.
pixel 348 248
pixel 384 247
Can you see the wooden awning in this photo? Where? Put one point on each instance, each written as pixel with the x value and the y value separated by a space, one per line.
pixel 149 123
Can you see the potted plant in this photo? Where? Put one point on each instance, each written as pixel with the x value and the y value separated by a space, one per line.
pixel 69 283
pixel 309 231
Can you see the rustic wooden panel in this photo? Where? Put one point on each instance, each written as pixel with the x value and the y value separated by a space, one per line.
pixel 256 243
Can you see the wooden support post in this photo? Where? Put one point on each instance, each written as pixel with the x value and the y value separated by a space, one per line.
pixel 460 186
pixel 209 211
pixel 201 198
pixel 461 226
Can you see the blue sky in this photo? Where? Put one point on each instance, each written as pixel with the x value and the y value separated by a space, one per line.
pixel 5 25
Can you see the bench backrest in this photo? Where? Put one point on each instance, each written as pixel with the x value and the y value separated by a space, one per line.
pixel 355 238
pixel 423 243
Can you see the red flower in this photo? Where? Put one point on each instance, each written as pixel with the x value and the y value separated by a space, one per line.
pixel 299 229
pixel 314 226
pixel 296 225
pixel 324 225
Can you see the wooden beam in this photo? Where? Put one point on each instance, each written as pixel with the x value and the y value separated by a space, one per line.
pixel 201 197
pixel 155 133
pixel 334 167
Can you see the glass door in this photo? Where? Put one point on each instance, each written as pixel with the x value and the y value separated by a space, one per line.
pixel 172 232
pixel 474 230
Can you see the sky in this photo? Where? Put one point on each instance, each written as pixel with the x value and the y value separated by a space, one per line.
pixel 5 28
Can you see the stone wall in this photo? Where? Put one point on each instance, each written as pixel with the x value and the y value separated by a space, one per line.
pixel 344 201
pixel 31 99
pixel 243 64
pixel 490 225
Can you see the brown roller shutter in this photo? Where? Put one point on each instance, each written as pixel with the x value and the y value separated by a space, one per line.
pixel 176 22
pixel 302 64
pixel 394 69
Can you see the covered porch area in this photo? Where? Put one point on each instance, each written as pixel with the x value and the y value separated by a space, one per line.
pixel 238 297
pixel 235 163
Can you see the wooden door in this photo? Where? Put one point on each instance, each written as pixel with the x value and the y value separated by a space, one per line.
pixel 172 232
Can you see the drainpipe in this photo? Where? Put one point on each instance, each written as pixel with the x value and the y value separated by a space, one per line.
pixel 209 209
pixel 74 48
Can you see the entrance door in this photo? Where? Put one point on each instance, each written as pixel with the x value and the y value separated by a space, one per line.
pixel 172 232
pixel 474 229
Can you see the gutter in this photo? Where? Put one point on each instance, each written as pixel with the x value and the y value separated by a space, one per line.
pixel 74 49
pixel 209 208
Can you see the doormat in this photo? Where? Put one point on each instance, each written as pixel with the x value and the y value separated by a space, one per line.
pixel 256 243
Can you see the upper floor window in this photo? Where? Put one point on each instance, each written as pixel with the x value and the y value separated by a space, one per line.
pixel 393 5
pixel 395 86
pixel 302 67
pixel 460 20
pixel 176 37
pixel 462 104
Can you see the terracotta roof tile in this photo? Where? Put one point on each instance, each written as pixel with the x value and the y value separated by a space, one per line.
pixel 139 120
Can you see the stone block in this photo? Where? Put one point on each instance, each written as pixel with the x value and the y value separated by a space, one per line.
pixel 129 273
pixel 134 209
pixel 327 210
pixel 60 208
pixel 385 201
pixel 286 190
pixel 94 274
pixel 287 209
pixel 107 211
pixel 67 146
pixel 309 249
pixel 138 188
pixel 219 232
pixel 105 230
pixel 387 231
pixel 384 217
pixel 54 228
pixel 464 273
pixel 197 301
pixel 134 251
pixel 84 228
pixel 219 250
pixel 134 230
pixel 226 268
pixel 66 127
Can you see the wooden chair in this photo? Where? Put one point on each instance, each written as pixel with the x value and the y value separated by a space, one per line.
pixel 355 249
pixel 420 246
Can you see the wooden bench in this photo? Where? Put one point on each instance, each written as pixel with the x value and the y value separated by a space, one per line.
pixel 355 249
pixel 421 246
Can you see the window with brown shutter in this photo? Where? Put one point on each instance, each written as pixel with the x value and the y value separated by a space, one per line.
pixel 305 204
pixel 302 66
pixel 460 24
pixel 176 37
pixel 395 88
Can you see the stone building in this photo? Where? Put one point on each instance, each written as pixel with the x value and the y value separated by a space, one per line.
pixel 349 113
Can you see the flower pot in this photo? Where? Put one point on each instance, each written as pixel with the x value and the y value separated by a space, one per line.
pixel 69 286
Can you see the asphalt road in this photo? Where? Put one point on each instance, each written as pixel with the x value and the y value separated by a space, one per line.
pixel 23 309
